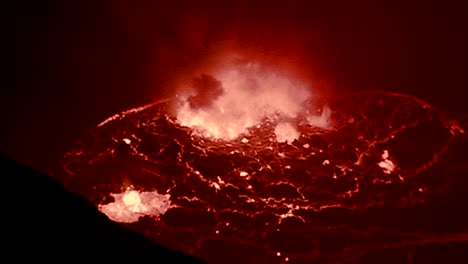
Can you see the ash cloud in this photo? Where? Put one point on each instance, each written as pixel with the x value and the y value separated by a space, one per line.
pixel 207 89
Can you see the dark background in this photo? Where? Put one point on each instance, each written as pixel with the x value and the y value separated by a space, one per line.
pixel 68 65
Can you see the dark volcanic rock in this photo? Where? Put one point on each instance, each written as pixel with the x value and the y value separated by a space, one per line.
pixel 45 222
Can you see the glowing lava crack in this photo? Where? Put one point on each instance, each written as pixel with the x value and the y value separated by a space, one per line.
pixel 223 181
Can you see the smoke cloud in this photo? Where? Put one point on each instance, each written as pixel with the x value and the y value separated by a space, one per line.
pixel 207 89
pixel 250 93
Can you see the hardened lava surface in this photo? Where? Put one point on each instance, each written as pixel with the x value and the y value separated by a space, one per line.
pixel 375 187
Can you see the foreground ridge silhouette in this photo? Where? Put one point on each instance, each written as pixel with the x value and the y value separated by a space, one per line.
pixel 44 221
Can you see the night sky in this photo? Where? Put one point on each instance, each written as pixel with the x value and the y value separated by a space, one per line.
pixel 68 65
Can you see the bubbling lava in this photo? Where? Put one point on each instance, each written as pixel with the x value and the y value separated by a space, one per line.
pixel 244 96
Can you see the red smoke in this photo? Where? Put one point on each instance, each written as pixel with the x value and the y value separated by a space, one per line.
pixel 191 39
pixel 335 45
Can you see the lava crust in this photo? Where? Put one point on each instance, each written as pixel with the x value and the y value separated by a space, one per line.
pixel 333 195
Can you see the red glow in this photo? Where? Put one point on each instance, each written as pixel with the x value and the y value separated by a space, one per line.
pixel 245 94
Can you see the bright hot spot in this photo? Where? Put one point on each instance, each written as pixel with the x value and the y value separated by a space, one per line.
pixel 224 104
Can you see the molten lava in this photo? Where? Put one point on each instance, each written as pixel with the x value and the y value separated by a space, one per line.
pixel 129 206
pixel 245 170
